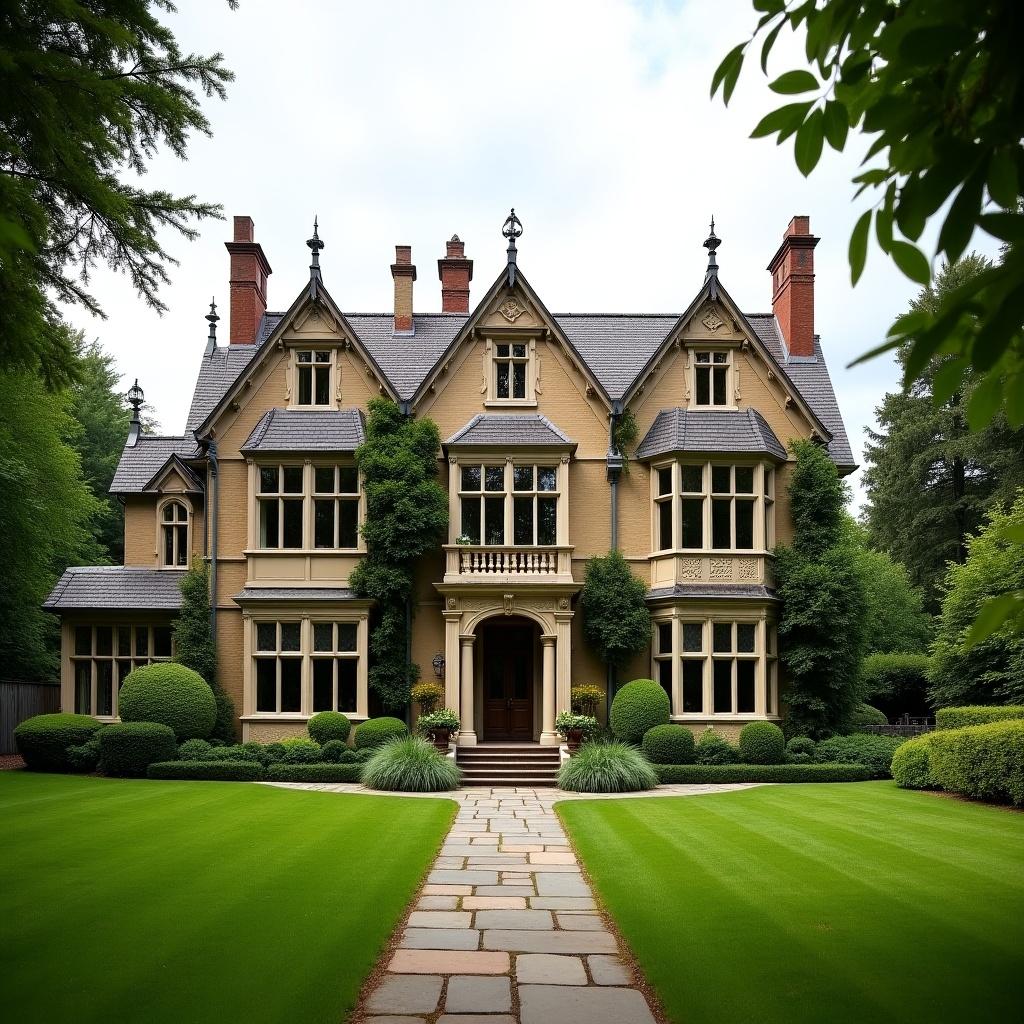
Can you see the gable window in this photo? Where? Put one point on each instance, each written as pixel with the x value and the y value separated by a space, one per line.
pixel 711 378
pixel 513 503
pixel 313 377
pixel 511 363
pixel 102 657
pixel 174 535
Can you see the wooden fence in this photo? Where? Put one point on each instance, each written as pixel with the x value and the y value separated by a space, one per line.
pixel 20 700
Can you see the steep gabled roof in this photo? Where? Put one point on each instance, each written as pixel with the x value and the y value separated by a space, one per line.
pixel 141 462
pixel 504 429
pixel 307 430
pixel 128 588
pixel 710 430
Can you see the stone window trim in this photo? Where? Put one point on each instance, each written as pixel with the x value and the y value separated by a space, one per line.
pixel 712 377
pixel 313 377
pixel 702 672
pixel 511 371
pixel 302 501
pixel 100 654
pixel 695 502
pixel 174 532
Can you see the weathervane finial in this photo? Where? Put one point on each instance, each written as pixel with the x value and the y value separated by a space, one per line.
pixel 211 341
pixel 711 243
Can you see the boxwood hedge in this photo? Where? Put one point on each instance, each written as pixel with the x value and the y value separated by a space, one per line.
pixel 910 764
pixel 697 774
pixel 375 731
pixel 214 771
pixel 43 741
pixel 329 725
pixel 131 747
pixel 669 744
pixel 762 743
pixel 958 718
pixel 314 772
pixel 985 762
pixel 874 752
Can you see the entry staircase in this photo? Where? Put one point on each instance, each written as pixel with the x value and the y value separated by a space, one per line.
pixel 508 764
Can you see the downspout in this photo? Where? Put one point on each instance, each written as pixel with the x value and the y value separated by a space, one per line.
pixel 614 470
pixel 211 451
pixel 406 410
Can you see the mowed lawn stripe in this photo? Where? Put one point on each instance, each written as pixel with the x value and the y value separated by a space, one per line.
pixel 154 901
pixel 849 902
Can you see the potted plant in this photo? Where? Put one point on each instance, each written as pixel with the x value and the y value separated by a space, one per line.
pixel 585 699
pixel 427 695
pixel 439 726
pixel 575 728
pixel 463 540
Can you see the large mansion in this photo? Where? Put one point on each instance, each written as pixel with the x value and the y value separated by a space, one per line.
pixel 263 484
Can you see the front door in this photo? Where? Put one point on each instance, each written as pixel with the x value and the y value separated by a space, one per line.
pixel 508 682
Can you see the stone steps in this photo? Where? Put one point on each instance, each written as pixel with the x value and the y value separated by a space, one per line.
pixel 508 765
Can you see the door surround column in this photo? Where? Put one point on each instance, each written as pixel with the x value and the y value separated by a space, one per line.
pixel 467 733
pixel 548 736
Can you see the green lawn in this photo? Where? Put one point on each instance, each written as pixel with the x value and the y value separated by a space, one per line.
pixel 199 902
pixel 851 903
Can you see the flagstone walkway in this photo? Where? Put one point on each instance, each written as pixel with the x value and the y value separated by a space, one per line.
pixel 506 929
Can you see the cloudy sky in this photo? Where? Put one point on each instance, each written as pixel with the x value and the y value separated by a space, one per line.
pixel 404 121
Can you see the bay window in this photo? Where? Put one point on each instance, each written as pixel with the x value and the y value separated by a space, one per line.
pixel 278 656
pixel 509 503
pixel 102 656
pixel 300 507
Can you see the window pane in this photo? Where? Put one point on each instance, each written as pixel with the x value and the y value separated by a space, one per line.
pixel 721 636
pixel 269 523
pixel 169 513
pixel 290 633
pixel 348 480
pixel 291 684
pixel 268 479
pixel 769 482
pixel 266 636
pixel 501 387
pixel 83 640
pixel 494 520
pixel 665 480
pixel 293 479
pixel 519 380
pixel 347 633
pixel 703 382
pixel 305 386
pixel 693 687
pixel 745 675
pixel 693 522
pixel 323 385
pixel 522 478
pixel 323 523
pixel 304 357
pixel 547 478
pixel 142 641
pixel 720 537
pixel 693 636
pixel 348 527
pixel 323 684
pixel 104 687
pixel 693 479
pixel 123 668
pixel 665 525
pixel 703 357
pixel 721 375
pixel 124 641
pixel 503 350
pixel 745 637
pixel 720 357
pixel 721 479
pixel 744 479
pixel 665 678
pixel 744 524
pixel 664 637
pixel 322 357
pixel 266 684
pixel 323 636
pixel 519 351
pixel 83 687
pixel 292 509
pixel 522 521
pixel 323 479
pixel 471 519
pixel 104 640
pixel 723 686
pixel 182 539
pixel 347 668
pixel 547 520
pixel 471 478
pixel 494 478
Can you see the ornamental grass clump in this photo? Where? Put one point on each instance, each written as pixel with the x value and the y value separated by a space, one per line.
pixel 410 765
pixel 607 768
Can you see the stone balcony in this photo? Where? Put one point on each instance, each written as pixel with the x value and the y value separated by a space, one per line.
pixel 485 563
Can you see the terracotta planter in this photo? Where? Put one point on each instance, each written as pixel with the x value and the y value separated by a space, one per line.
pixel 573 738
pixel 441 738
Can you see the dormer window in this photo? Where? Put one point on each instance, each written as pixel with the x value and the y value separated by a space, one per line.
pixel 174 535
pixel 511 362
pixel 313 378
pixel 711 378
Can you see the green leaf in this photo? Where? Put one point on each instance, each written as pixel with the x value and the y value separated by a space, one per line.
pixel 911 261
pixel 785 119
pixel 933 45
pixel 947 381
pixel 963 215
pixel 769 42
pixel 795 82
pixel 992 614
pixel 769 6
pixel 837 124
pixel 731 64
pixel 984 401
pixel 859 246
pixel 883 219
pixel 1002 178
pixel 810 138
pixel 1009 227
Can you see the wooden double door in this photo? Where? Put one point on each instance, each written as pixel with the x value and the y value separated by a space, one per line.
pixel 507 653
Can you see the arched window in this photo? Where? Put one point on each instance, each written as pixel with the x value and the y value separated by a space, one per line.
pixel 174 534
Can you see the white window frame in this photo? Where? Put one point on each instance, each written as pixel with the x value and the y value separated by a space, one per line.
pixel 175 526
pixel 716 357
pixel 508 495
pixel 296 371
pixel 308 497
pixel 493 357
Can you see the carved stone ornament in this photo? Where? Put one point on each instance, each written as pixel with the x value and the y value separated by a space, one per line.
pixel 511 310
pixel 712 321
pixel 690 568
pixel 563 603
pixel 746 568
pixel 509 603
pixel 721 568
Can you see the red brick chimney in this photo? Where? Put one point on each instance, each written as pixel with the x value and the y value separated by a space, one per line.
pixel 455 272
pixel 792 270
pixel 404 274
pixel 249 273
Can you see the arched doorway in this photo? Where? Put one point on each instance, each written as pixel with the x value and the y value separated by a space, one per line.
pixel 509 670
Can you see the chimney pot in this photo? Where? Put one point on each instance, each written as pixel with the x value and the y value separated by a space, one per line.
pixel 792 270
pixel 455 272
pixel 404 273
pixel 249 273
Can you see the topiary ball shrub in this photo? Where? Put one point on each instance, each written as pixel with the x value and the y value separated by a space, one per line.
pixel 762 743
pixel 669 744
pixel 131 747
pixel 329 725
pixel 43 741
pixel 333 751
pixel 713 749
pixel 375 731
pixel 410 764
pixel 864 715
pixel 800 745
pixel 874 752
pixel 607 768
pixel 300 751
pixel 172 695
pixel 637 707
pixel 194 750
pixel 910 765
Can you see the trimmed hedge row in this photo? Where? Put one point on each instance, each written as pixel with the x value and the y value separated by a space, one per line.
pixel 874 752
pixel 129 748
pixel 985 762
pixel 698 774
pixel 910 767
pixel 208 771
pixel 375 731
pixel 43 741
pixel 314 772
pixel 959 718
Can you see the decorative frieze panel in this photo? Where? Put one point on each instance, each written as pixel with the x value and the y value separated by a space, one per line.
pixel 670 569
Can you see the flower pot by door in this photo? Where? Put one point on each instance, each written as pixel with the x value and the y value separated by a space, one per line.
pixel 441 738
pixel 573 738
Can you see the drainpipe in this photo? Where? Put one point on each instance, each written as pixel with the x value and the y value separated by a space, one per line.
pixel 614 470
pixel 211 451
pixel 406 410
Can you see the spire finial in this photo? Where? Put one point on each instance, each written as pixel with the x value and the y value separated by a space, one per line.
pixel 512 229
pixel 711 243
pixel 211 341
pixel 315 245
pixel 136 396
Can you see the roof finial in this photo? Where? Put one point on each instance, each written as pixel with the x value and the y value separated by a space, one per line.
pixel 136 396
pixel 211 341
pixel 711 243
pixel 315 246
pixel 512 229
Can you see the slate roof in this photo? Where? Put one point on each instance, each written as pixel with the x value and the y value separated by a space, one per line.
pixel 129 588
pixel 494 430
pixel 217 372
pixel 307 430
pixel 296 594
pixel 727 591
pixel 709 430
pixel 142 461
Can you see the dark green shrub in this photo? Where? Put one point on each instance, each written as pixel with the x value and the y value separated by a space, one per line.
pixel 798 758
pixel 195 750
pixel 864 715
pixel 669 744
pixel 375 731
pixel 800 745
pixel 607 768
pixel 984 762
pixel 329 725
pixel 300 751
pixel 43 741
pixel 86 756
pixel 131 747
pixel 410 765
pixel 910 764
pixel 172 695
pixel 236 753
pixel 314 772
pixel 762 743
pixel 874 752
pixel 896 683
pixel 713 749
pixel 333 751
pixel 274 753
pixel 637 707
pixel 699 774
pixel 958 718
pixel 212 771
